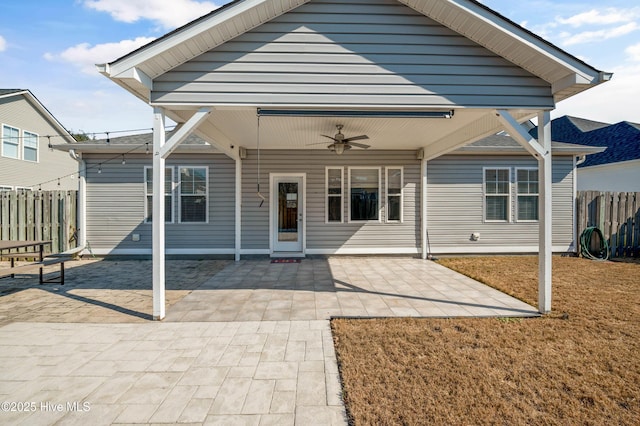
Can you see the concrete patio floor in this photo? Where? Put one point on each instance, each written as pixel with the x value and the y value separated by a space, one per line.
pixel 244 343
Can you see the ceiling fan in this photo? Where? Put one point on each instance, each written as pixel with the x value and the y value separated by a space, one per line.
pixel 340 143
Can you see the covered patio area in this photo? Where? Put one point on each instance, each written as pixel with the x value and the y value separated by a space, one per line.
pixel 319 288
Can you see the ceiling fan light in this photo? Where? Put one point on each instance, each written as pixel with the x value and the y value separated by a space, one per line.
pixel 338 148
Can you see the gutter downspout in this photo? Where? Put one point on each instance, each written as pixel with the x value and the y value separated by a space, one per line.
pixel 82 204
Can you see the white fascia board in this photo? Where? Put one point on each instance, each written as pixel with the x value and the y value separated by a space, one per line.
pixel 189 31
pixel 136 75
pixel 518 133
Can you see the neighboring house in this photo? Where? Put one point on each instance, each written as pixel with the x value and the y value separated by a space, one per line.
pixel 617 169
pixel 26 159
pixel 284 92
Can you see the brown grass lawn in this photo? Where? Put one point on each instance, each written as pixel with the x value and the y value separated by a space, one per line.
pixel 578 365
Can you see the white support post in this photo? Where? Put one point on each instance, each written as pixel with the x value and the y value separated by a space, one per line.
pixel 158 243
pixel 544 213
pixel 423 208
pixel 238 227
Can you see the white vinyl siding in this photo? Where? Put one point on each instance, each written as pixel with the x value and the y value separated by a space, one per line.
pixel 10 142
pixel 168 194
pixel 526 194
pixel 334 194
pixel 394 183
pixel 364 194
pixel 29 146
pixel 497 194
pixel 194 189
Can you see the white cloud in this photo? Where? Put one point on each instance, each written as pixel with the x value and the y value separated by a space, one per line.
pixel 633 52
pixel 167 13
pixel 85 56
pixel 607 16
pixel 599 35
pixel 3 44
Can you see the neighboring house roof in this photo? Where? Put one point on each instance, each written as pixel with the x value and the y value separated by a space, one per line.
pixel 62 132
pixel 567 74
pixel 504 144
pixel 622 140
pixel 136 144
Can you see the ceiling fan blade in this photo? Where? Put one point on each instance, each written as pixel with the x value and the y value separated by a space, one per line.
pixel 317 143
pixel 356 138
pixel 330 137
pixel 359 145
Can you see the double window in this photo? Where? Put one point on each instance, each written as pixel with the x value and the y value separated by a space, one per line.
pixel 364 192
pixel 190 185
pixel 19 145
pixel 498 192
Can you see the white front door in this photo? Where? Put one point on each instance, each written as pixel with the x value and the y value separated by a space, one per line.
pixel 287 215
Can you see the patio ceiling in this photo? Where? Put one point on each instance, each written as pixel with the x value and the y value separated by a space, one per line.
pixel 239 127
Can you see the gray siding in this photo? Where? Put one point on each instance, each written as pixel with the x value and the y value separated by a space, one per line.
pixel 455 206
pixel 18 112
pixel 330 236
pixel 357 52
pixel 115 205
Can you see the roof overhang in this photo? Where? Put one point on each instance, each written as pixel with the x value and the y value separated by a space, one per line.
pixel 558 148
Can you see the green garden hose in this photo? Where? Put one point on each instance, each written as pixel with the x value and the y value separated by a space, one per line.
pixel 601 252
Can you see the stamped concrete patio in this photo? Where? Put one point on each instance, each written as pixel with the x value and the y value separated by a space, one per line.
pixel 249 344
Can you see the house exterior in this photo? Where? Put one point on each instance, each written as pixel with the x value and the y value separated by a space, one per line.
pixel 617 169
pixel 26 159
pixel 280 90
pixel 463 216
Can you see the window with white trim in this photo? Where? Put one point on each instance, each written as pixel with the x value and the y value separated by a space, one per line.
pixel 10 142
pixel 194 189
pixel 394 181
pixel 29 146
pixel 527 194
pixel 364 194
pixel 334 197
pixel 497 194
pixel 168 194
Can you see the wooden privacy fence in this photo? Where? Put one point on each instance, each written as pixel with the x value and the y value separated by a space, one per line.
pixel 617 215
pixel 39 215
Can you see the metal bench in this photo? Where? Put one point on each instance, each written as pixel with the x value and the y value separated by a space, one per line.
pixel 36 264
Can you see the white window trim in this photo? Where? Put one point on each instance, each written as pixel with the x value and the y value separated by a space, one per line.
pixel 2 141
pixel 179 185
pixel 517 195
pixel 23 146
pixel 485 195
pixel 173 192
pixel 401 196
pixel 379 193
pixel 327 195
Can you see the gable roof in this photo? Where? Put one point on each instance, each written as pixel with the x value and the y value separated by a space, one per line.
pixel 622 139
pixel 566 74
pixel 62 131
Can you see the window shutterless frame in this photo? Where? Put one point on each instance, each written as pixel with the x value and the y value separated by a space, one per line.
pixel 496 194
pixel 527 194
pixel 30 151
pixel 334 194
pixel 394 190
pixel 364 194
pixel 148 194
pixel 188 189
pixel 10 137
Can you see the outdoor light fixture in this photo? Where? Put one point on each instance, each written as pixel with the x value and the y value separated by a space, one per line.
pixel 339 148
pixel 354 113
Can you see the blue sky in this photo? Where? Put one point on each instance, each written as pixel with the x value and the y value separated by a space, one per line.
pixel 49 47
